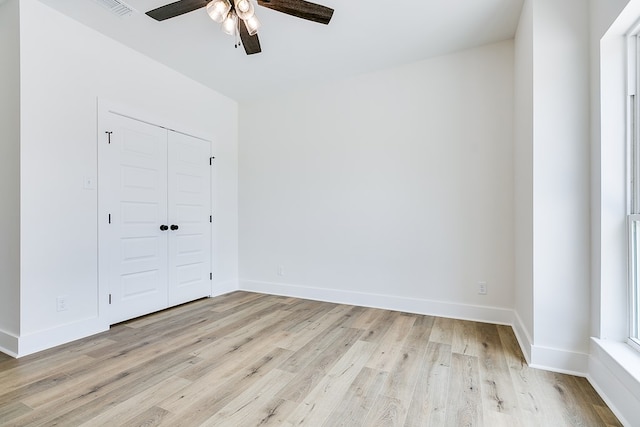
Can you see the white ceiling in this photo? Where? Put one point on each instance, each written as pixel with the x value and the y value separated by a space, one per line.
pixel 361 37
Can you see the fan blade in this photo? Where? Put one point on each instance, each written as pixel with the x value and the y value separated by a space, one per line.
pixel 177 8
pixel 251 43
pixel 300 8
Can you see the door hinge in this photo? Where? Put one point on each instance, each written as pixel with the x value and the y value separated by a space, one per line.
pixel 109 298
pixel 211 160
pixel 210 218
pixel 108 137
pixel 109 218
pixel 210 276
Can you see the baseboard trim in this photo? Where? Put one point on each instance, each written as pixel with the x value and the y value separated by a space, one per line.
pixel 558 360
pixel 523 336
pixel 611 378
pixel 49 338
pixel 8 344
pixel 496 315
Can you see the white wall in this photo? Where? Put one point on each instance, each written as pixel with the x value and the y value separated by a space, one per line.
pixel 395 183
pixel 523 178
pixel 65 68
pixel 552 192
pixel 9 174
pixel 561 175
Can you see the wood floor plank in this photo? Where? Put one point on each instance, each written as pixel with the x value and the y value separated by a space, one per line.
pixel 606 416
pixel 358 400
pixel 560 393
pixel 442 330
pixel 149 418
pixel 233 339
pixel 24 383
pixel 244 314
pixel 367 318
pixel 324 398
pixel 309 312
pixel 308 329
pixel 246 359
pixel 465 338
pixel 313 348
pixel 390 346
pixel 392 406
pixel 32 368
pixel 386 411
pixel 201 400
pixel 138 404
pixel 429 401
pixel 244 409
pixel 234 348
pixel 274 412
pixel 498 393
pixel 310 375
pixel 380 326
pixel 233 300
pixel 13 410
pixel 464 402
pixel 73 406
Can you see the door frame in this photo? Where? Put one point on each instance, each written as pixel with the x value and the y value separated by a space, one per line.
pixel 105 107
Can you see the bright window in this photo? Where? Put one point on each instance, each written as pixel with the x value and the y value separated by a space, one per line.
pixel 634 267
pixel 633 167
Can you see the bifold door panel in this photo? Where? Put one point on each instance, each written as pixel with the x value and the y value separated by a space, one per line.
pixel 155 190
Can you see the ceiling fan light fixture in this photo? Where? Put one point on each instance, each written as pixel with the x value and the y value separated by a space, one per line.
pixel 252 25
pixel 218 9
pixel 244 9
pixel 242 5
pixel 230 23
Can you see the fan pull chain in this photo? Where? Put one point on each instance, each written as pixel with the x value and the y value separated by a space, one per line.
pixel 237 34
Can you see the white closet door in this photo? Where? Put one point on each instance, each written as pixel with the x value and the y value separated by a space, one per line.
pixel 133 182
pixel 189 218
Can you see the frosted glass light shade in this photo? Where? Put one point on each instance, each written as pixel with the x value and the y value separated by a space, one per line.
pixel 244 9
pixel 252 25
pixel 218 9
pixel 242 5
pixel 230 23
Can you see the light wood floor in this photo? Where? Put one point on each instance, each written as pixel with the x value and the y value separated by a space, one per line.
pixel 246 359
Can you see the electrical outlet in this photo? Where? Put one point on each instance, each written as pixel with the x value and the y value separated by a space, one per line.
pixel 61 303
pixel 482 288
pixel 280 270
pixel 89 183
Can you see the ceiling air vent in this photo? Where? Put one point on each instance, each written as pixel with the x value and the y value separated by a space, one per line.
pixel 116 7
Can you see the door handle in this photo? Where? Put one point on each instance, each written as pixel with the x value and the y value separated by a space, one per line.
pixel 174 227
pixel 163 227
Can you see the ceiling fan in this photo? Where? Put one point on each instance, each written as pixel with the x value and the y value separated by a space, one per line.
pixel 238 15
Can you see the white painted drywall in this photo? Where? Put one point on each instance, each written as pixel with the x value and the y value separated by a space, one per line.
pixel 10 168
pixel 65 68
pixel 561 222
pixel 396 183
pixel 552 177
pixel 523 177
